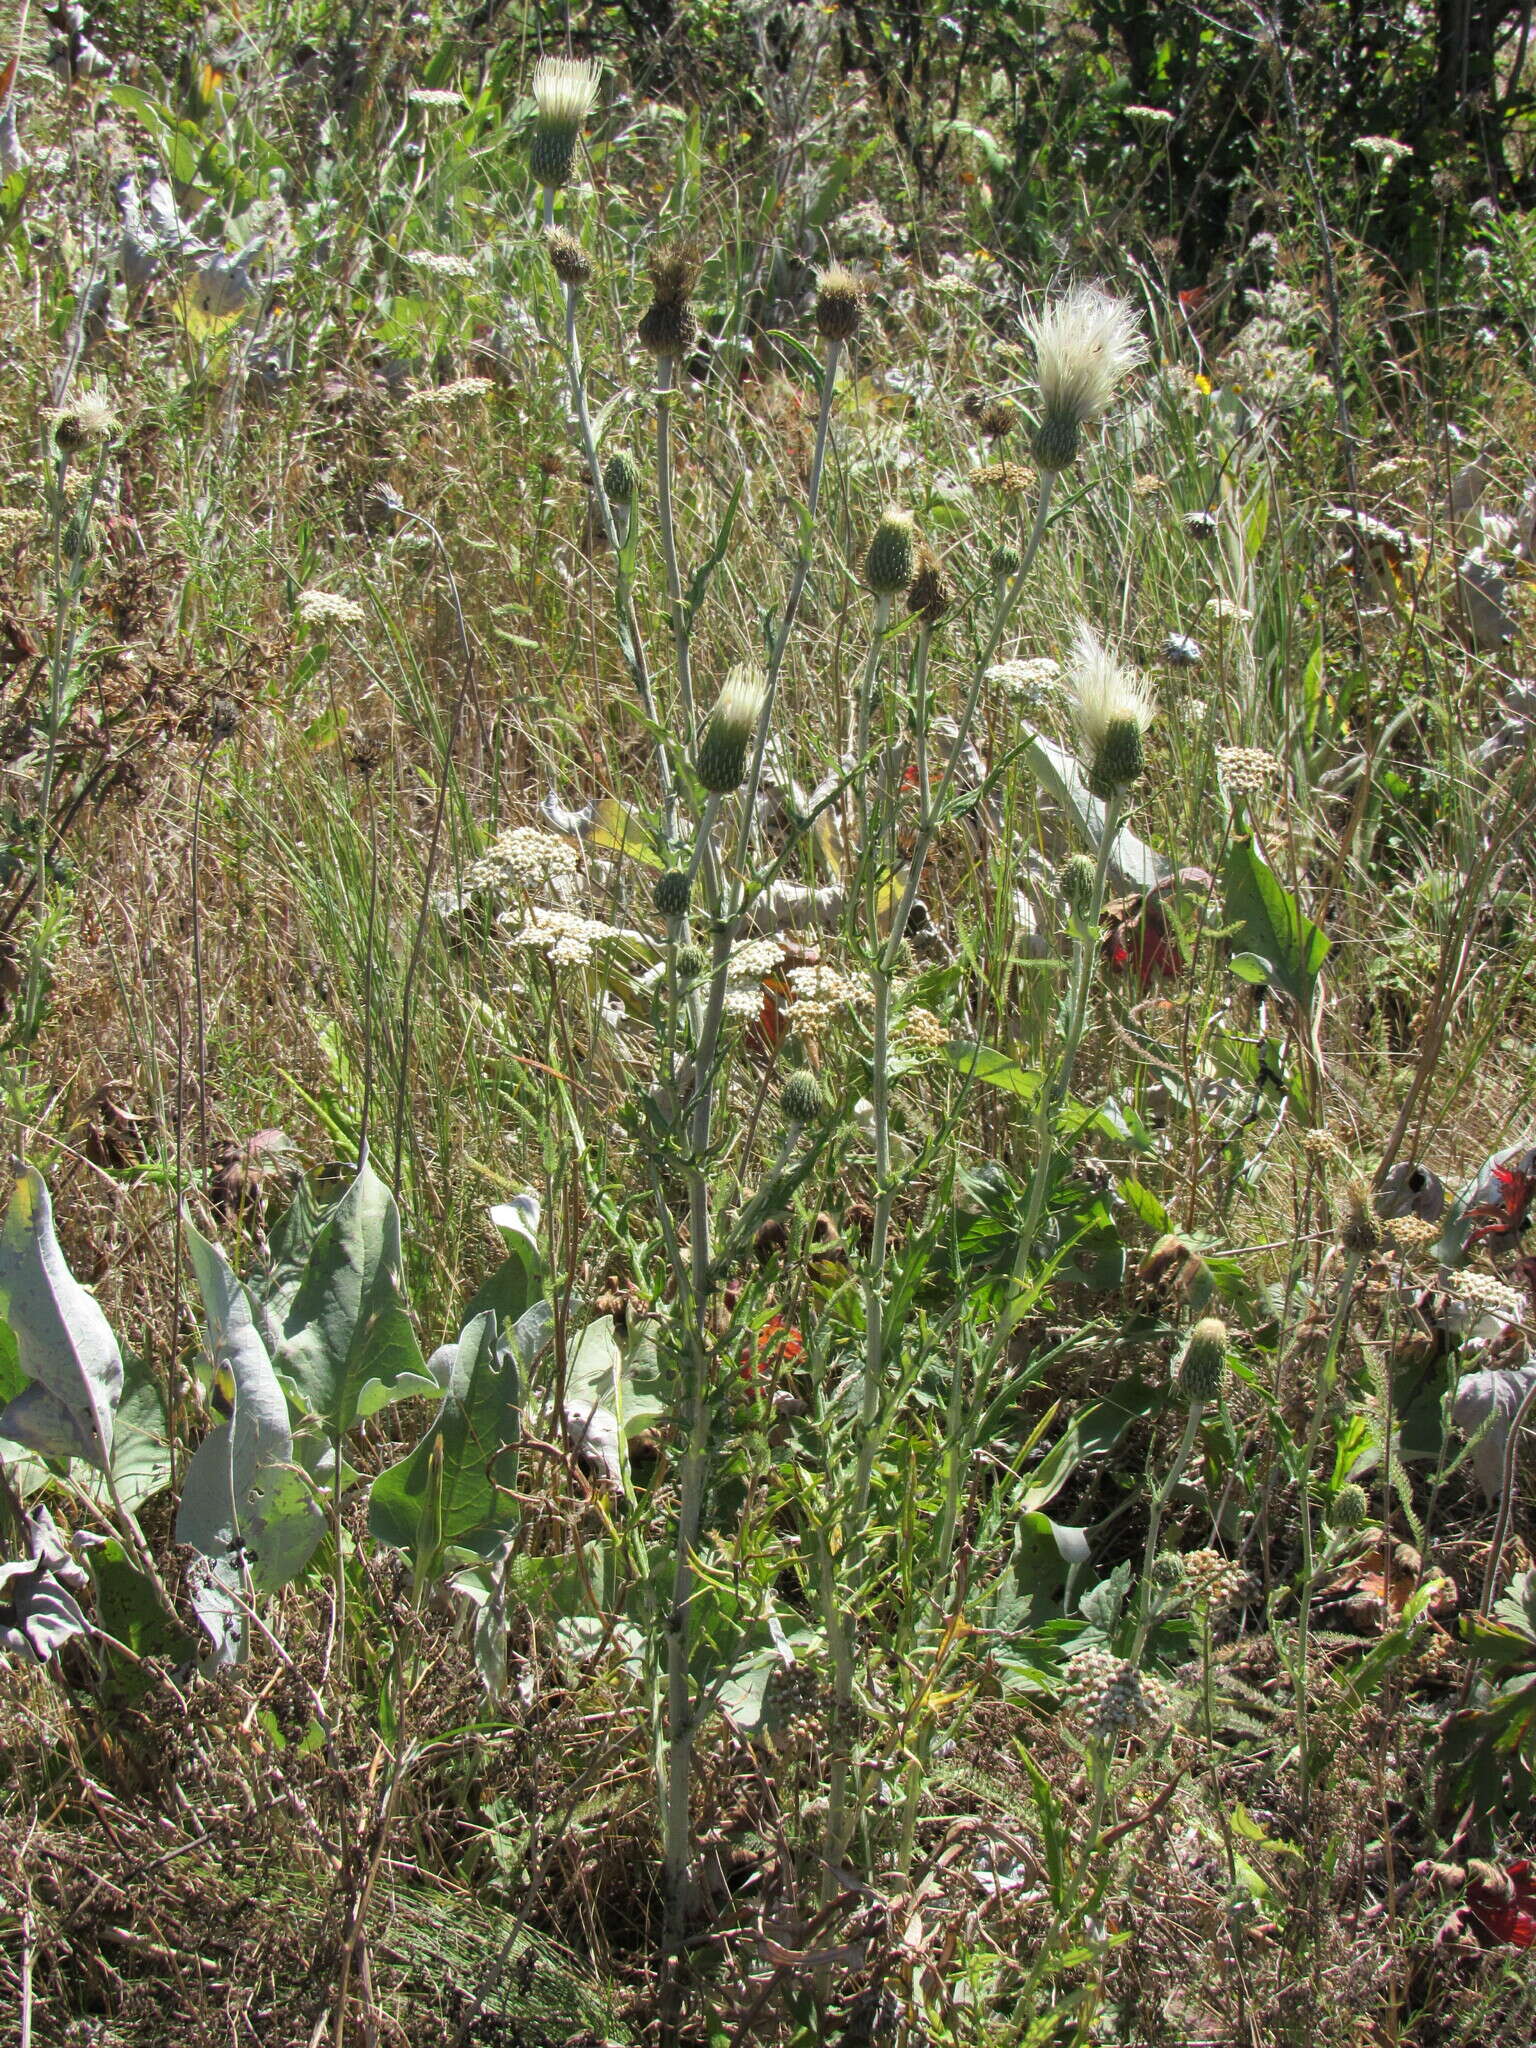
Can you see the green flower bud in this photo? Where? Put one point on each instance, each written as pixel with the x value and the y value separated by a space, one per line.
pixel 888 565
pixel 1077 881
pixel 671 893
pixel 1202 1370
pixel 692 961
pixel 1005 563
pixel 1349 1508
pixel 621 477
pixel 802 1100
pixel 1168 1570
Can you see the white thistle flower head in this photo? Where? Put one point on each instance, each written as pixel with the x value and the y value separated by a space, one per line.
pixel 1084 344
pixel 564 89
pixel 722 757
pixel 1114 708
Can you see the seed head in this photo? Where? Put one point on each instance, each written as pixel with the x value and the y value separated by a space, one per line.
pixel 1114 709
pixel 1084 345
pixel 1348 1509
pixel 1202 1370
pixel 671 893
pixel 621 477
pixel 839 303
pixel 564 89
pixel 673 268
pixel 998 416
pixel 1179 651
pixel 888 565
pixel 802 1100
pixel 571 263
pixel 722 760
pixel 930 593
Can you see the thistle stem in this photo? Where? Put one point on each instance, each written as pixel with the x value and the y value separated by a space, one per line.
pixel 680 635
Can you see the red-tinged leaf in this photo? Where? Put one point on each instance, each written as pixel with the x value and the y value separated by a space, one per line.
pixel 8 78
pixel 1506 1912
pixel 779 1345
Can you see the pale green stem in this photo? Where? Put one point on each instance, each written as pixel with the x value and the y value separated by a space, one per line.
pixel 669 544
pixel 632 644
pixel 1088 956
pixel 792 602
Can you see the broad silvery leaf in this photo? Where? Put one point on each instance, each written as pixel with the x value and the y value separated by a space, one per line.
pixel 219 1604
pixel 38 1613
pixel 348 1348
pixel 1483 1408
pixel 64 1343
pixel 242 1496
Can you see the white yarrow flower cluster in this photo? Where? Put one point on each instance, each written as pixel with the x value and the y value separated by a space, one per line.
pixel 438 263
pixel 460 392
pixel 565 939
pixel 435 96
pixel 326 608
pixel 523 860
pixel 1383 149
pixel 1032 682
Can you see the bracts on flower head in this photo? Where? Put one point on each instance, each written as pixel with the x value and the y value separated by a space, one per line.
pixel 889 564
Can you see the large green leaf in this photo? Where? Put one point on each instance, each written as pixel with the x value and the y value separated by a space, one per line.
pixel 445 1494
pixel 1033 1585
pixel 1270 924
pixel 516 1283
pixel 141 1447
pixel 348 1348
pixel 64 1343
pixel 243 1497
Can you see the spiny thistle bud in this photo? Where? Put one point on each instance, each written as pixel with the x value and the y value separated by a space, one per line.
pixel 1114 709
pixel 672 892
pixel 1348 1509
pixel 888 565
pixel 668 327
pixel 1202 1370
pixel 571 263
pixel 722 760
pixel 1168 1570
pixel 802 1100
pixel 1084 344
pixel 564 89
pixel 1361 1234
pixel 839 303
pixel 621 477
pixel 930 593
pixel 998 416
pixel 1077 881
pixel 1005 563
pixel 692 961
